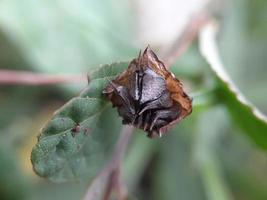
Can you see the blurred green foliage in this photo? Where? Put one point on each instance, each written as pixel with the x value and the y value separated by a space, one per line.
pixel 205 157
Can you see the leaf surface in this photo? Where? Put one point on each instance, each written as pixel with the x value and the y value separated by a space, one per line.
pixel 246 115
pixel 78 139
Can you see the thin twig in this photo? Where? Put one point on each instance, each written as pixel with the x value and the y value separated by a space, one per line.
pixel 110 175
pixel 121 147
pixel 12 77
pixel 185 38
pixel 115 163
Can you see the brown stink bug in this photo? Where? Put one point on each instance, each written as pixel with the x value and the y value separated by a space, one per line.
pixel 148 96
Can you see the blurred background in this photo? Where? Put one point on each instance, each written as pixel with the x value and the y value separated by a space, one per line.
pixel 205 157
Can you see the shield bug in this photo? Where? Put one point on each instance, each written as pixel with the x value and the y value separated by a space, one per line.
pixel 148 96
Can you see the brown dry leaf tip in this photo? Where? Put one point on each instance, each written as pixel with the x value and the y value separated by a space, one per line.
pixel 148 96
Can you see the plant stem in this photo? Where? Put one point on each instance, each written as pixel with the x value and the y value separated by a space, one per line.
pixel 13 77
pixel 121 147
pixel 184 39
pixel 109 177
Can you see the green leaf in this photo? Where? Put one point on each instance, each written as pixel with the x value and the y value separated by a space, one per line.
pixel 78 139
pixel 247 116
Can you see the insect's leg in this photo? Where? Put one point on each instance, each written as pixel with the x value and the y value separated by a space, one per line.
pixel 158 114
pixel 146 120
pixel 164 101
pixel 162 117
pixel 122 92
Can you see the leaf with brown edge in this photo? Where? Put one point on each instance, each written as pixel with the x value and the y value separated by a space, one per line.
pixel 246 115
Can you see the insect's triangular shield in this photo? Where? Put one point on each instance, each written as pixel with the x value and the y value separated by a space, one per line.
pixel 148 96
